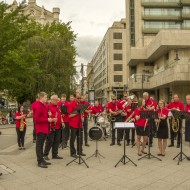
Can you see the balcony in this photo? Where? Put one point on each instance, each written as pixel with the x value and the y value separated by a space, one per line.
pixel 185 16
pixel 161 18
pixel 185 2
pixel 161 4
pixel 151 30
pixel 139 81
pixel 177 72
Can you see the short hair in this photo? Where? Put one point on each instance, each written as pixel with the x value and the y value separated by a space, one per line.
pixel 42 94
pixel 161 101
pixel 53 97
pixel 63 95
pixel 188 95
pixel 145 94
pixel 176 95
pixel 113 96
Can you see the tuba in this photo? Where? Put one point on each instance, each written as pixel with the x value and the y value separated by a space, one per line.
pixel 175 124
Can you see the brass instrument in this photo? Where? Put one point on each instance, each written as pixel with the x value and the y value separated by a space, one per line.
pixel 175 124
pixel 130 118
pixel 22 123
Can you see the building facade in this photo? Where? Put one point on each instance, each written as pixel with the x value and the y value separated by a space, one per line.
pixel 109 63
pixel 158 54
pixel 39 14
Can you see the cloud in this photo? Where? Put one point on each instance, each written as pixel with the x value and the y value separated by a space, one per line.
pixel 86 46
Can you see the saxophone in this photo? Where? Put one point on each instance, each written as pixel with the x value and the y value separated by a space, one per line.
pixel 22 123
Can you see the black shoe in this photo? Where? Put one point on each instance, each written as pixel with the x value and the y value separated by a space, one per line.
pixel 86 144
pixel 178 146
pixel 42 165
pixel 112 144
pixel 150 145
pixel 82 154
pixel 57 157
pixel 47 163
pixel 118 143
pixel 64 146
pixel 171 145
pixel 127 144
pixel 46 158
pixel 188 158
pixel 74 156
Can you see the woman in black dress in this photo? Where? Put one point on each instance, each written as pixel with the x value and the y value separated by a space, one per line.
pixel 187 121
pixel 162 125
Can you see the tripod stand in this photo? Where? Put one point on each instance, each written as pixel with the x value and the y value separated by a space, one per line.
pixel 181 153
pixel 79 110
pixel 124 157
pixel 96 153
pixel 150 115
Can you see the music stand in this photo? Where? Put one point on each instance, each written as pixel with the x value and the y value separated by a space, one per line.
pixel 79 110
pixel 96 137
pixel 182 115
pixel 124 125
pixel 149 114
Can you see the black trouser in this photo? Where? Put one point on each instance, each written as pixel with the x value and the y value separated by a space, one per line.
pixel 39 146
pixel 119 131
pixel 127 134
pixel 65 133
pixel 121 119
pixel 34 131
pixel 85 130
pixel 52 141
pixel 74 134
pixel 20 136
pixel 173 134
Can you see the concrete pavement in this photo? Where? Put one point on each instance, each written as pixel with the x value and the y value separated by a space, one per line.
pixel 20 169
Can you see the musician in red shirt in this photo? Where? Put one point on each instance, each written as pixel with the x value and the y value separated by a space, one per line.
pixel 66 130
pixel 187 121
pixel 129 118
pixel 115 110
pixel 150 104
pixel 53 138
pixel 176 105
pixel 75 122
pixel 141 127
pixel 42 122
pixel 97 109
pixel 162 126
pixel 85 122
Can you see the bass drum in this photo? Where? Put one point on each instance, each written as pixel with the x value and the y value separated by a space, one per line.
pixel 95 133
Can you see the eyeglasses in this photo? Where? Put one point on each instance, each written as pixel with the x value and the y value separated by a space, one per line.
pixel 78 98
pixel 113 99
pixel 125 96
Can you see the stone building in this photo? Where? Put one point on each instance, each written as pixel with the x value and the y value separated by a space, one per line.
pixel 39 14
pixel 158 55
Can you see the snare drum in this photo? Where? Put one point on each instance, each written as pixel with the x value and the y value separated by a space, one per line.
pixel 95 133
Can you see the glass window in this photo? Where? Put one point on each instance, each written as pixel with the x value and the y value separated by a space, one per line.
pixel 160 25
pixel 117 35
pixel 161 12
pixel 117 46
pixel 118 67
pixel 117 56
pixel 118 78
pixel 186 10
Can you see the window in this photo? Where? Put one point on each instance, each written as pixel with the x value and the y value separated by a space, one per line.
pixel 118 67
pixel 117 56
pixel 118 78
pixel 117 35
pixel 117 46
pixel 148 64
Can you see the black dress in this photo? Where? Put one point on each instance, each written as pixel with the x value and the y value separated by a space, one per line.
pixel 162 129
pixel 187 130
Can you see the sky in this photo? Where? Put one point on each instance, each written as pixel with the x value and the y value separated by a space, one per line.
pixel 90 21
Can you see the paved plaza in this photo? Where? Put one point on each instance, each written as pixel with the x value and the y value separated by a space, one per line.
pixel 20 171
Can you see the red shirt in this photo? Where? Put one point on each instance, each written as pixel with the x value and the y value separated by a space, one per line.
pixel 86 114
pixel 112 106
pixel 55 113
pixel 18 120
pixel 128 110
pixel 33 107
pixel 163 112
pixel 74 122
pixel 179 105
pixel 97 109
pixel 66 116
pixel 41 118
pixel 187 108
pixel 150 103
pixel 142 121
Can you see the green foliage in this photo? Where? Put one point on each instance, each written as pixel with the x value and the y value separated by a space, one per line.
pixel 33 57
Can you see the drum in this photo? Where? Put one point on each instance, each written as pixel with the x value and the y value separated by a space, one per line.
pixel 100 119
pixel 95 133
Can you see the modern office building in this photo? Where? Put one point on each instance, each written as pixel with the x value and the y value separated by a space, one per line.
pixel 158 55
pixel 109 63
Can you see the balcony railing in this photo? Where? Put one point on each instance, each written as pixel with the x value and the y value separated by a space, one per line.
pixel 161 3
pixel 185 2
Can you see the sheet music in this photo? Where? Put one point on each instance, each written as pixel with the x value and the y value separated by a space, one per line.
pixel 122 125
